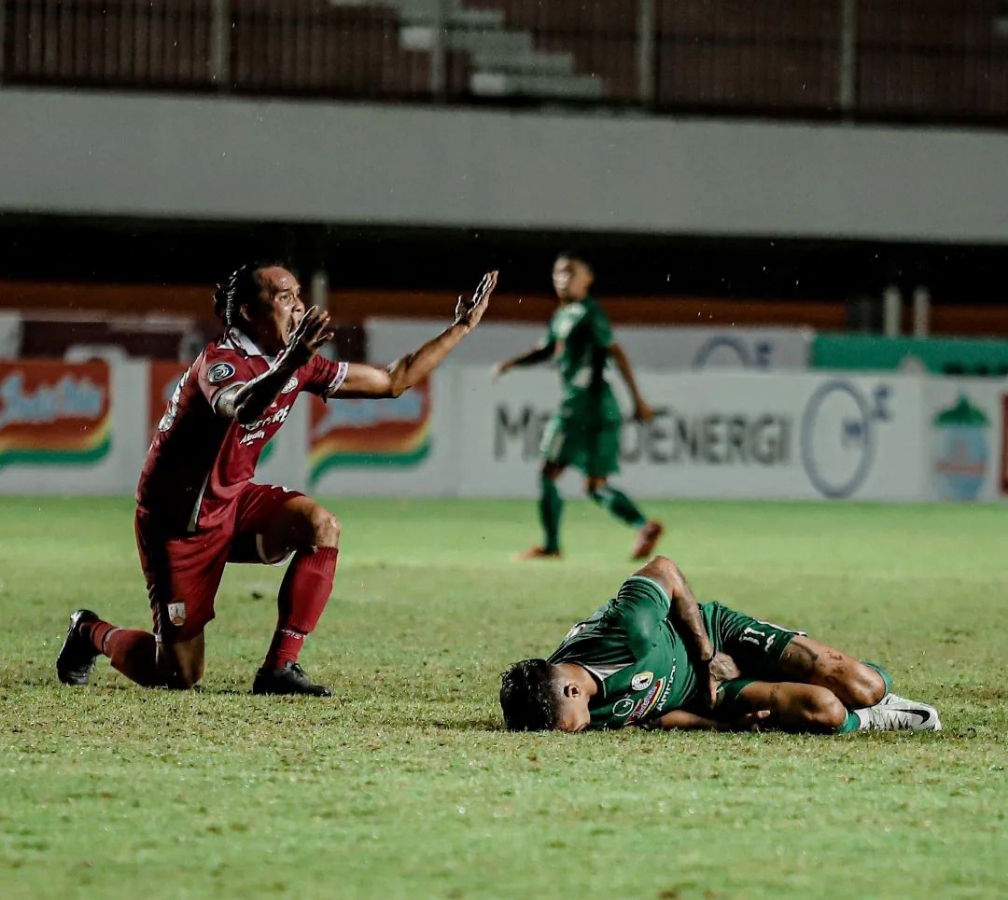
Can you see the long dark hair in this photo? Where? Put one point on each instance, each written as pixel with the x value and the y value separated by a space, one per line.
pixel 240 288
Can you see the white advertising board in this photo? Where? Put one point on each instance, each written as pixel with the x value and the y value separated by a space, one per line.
pixel 648 348
pixel 717 435
pixel 83 428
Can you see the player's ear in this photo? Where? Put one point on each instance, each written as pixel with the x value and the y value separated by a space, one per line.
pixel 243 311
pixel 571 690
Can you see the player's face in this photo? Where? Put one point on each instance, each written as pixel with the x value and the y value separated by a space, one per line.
pixel 572 279
pixel 280 309
pixel 572 714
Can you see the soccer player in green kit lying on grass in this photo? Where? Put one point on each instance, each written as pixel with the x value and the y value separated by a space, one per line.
pixel 654 657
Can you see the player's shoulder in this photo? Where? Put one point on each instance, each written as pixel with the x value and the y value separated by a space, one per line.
pixel 224 357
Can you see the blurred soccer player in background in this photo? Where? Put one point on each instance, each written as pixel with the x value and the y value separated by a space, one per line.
pixel 197 508
pixel 585 431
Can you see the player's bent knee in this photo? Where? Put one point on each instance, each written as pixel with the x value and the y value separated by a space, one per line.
pixel 866 687
pixel 823 708
pixel 325 528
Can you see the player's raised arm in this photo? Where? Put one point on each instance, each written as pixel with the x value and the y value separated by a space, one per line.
pixel 363 380
pixel 539 353
pixel 642 411
pixel 685 612
pixel 249 401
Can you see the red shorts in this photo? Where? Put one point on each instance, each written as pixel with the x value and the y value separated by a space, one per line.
pixel 183 573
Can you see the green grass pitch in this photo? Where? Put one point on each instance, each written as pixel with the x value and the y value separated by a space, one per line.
pixel 404 785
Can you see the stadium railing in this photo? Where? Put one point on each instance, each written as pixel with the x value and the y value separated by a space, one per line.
pixel 924 60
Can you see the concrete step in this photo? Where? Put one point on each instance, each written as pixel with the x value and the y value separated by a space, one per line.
pixel 503 84
pixel 495 42
pixel 424 12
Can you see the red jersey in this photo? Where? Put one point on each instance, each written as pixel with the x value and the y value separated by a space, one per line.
pixel 199 461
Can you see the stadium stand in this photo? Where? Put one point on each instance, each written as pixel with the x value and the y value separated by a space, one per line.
pixel 905 59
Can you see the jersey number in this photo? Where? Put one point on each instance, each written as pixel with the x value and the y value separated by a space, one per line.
pixel 168 419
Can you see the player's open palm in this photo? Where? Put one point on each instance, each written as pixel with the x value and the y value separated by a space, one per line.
pixel 469 312
pixel 312 332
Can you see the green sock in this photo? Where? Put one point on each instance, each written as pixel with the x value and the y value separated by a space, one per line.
pixel 886 677
pixel 619 504
pixel 550 511
pixel 851 723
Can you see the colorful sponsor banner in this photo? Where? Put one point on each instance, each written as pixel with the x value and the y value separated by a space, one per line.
pixel 349 432
pixel 54 413
pixel 963 443
pixel 1004 445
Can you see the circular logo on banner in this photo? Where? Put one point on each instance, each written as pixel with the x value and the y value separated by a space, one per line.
pixel 722 352
pixel 220 372
pixel 837 439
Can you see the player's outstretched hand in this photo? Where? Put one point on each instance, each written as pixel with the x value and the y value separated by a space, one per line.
pixel 312 332
pixel 498 370
pixel 469 312
pixel 643 412
pixel 720 668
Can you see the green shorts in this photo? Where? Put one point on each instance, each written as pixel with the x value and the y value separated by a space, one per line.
pixel 755 645
pixel 592 447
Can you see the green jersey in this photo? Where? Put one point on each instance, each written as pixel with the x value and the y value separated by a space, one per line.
pixel 642 665
pixel 581 335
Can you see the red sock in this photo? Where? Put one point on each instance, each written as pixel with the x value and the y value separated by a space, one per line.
pixel 303 595
pixel 134 653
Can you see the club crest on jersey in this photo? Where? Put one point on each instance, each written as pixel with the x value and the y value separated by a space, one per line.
pixel 641 680
pixel 291 385
pixel 219 372
pixel 622 707
pixel 176 613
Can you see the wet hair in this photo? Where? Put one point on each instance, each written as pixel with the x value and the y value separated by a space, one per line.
pixel 575 254
pixel 240 288
pixel 528 697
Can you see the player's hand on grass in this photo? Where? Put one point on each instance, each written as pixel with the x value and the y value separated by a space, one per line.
pixel 469 312
pixel 720 668
pixel 312 332
pixel 749 721
pixel 642 411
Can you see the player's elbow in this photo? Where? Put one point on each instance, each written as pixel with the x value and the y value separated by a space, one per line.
pixel 664 570
pixel 397 389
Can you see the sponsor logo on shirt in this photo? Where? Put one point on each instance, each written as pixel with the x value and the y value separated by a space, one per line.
pixel 277 418
pixel 622 707
pixel 647 703
pixel 219 372
pixel 641 680
pixel 292 384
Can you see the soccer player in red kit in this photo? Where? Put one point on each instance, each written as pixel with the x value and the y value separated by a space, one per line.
pixel 197 508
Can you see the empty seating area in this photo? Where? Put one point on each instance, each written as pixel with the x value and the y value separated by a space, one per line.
pixel 924 60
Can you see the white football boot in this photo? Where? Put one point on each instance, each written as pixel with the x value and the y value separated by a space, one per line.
pixel 894 713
